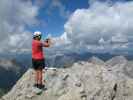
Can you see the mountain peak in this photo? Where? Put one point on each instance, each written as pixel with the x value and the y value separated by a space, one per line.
pixel 96 60
pixel 86 81
pixel 116 60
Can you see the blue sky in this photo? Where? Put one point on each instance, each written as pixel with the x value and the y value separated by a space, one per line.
pixel 51 19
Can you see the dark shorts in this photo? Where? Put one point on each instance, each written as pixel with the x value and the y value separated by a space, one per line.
pixel 38 64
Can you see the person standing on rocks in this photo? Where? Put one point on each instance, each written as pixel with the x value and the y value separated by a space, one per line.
pixel 38 59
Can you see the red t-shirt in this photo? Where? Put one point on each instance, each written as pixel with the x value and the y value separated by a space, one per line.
pixel 37 50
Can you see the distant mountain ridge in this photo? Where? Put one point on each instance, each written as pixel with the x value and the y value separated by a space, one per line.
pixel 116 60
pixel 60 58
pixel 96 60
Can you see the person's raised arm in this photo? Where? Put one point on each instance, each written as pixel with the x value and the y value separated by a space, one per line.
pixel 46 43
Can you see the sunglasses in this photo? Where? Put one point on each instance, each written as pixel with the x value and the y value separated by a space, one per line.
pixel 40 36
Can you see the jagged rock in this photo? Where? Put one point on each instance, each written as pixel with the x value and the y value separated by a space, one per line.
pixel 96 60
pixel 82 81
pixel 128 69
pixel 116 60
pixel 71 95
pixel 22 87
pixel 65 76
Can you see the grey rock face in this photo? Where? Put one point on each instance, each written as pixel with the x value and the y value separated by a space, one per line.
pixel 116 60
pixel 96 60
pixel 82 81
pixel 128 69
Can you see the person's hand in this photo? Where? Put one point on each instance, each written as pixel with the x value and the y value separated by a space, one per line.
pixel 49 41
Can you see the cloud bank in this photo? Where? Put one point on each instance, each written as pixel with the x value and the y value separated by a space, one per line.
pixel 15 16
pixel 103 27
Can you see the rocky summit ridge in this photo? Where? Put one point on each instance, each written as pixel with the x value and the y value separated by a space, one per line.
pixel 88 80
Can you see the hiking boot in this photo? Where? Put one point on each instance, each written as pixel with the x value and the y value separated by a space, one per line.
pixel 37 90
pixel 35 85
pixel 41 86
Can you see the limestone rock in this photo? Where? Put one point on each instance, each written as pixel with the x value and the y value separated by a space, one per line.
pixel 96 60
pixel 82 81
pixel 116 60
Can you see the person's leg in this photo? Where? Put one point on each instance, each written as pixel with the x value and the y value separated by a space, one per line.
pixel 36 78
pixel 34 65
pixel 40 76
pixel 43 71
pixel 40 83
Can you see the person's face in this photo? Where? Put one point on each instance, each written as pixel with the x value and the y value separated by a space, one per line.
pixel 39 37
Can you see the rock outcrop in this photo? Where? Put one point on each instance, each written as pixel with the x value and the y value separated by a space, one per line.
pixel 82 81
pixel 96 60
pixel 116 61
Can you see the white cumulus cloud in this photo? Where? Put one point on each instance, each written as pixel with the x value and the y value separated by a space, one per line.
pixel 101 26
pixel 14 16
